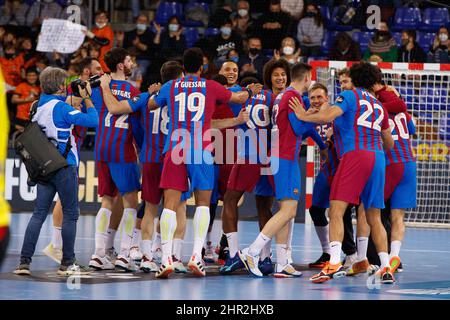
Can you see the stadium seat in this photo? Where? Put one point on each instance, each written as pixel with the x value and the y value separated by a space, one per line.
pixel 425 40
pixel 398 37
pixel 211 32
pixel 166 10
pixel 335 23
pixel 325 14
pixel 190 23
pixel 433 99
pixel 363 38
pixel 406 18
pixel 433 18
pixel 328 41
pixel 191 35
pixel 444 128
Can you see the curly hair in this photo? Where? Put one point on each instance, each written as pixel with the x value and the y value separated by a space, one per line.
pixel 273 64
pixel 365 75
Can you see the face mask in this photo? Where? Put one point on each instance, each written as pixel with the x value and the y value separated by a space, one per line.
pixel 100 25
pixel 235 59
pixel 310 14
pixel 205 67
pixel 288 50
pixel 226 31
pixel 254 51
pixel 173 27
pixel 242 12
pixel 443 37
pixel 141 27
pixel 77 2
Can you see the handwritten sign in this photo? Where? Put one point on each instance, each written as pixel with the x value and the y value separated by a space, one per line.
pixel 61 36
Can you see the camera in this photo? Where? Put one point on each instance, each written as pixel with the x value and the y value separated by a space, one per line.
pixel 94 81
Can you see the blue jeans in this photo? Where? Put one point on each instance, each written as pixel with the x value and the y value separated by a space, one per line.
pixel 65 183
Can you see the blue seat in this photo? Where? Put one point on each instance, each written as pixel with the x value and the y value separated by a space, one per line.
pixel 166 10
pixel 363 38
pixel 188 6
pixel 335 23
pixel 425 40
pixel 433 18
pixel 444 128
pixel 328 41
pixel 211 32
pixel 191 35
pixel 433 99
pixel 406 18
pixel 325 14
pixel 398 37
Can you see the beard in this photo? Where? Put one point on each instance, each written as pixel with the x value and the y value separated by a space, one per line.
pixel 127 71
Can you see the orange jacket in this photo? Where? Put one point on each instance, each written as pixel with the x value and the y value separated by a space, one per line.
pixel 24 90
pixel 11 70
pixel 108 33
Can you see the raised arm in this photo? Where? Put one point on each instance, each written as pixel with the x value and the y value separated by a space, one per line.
pixel 242 96
pixel 114 106
pixel 325 115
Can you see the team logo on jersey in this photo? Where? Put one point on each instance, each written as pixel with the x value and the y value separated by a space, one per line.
pixel 136 99
pixel 340 99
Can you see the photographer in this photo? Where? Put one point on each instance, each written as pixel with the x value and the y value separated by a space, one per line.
pixel 56 119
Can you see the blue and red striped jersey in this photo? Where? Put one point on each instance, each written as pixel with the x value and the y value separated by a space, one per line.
pixel 191 102
pixel 114 140
pixel 328 167
pixel 254 136
pixel 402 126
pixel 360 126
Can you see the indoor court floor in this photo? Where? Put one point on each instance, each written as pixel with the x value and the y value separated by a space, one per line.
pixel 425 254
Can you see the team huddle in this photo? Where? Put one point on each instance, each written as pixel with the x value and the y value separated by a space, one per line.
pixel 217 139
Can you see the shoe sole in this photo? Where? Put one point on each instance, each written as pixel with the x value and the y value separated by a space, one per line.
pixel 165 274
pixel 100 268
pixel 196 270
pixel 122 268
pixel 322 279
pixel 22 273
pixel 316 266
pixel 284 275
pixel 70 273
pixel 148 270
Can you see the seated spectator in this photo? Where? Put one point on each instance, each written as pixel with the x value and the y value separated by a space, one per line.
pixel 11 64
pixel 292 7
pixel 94 51
pixel 382 46
pixel 26 92
pixel 209 69
pixel 102 35
pixel 242 21
pixel 345 49
pixel 41 63
pixel 274 25
pixel 410 50
pixel 13 12
pixel 310 31
pixel 173 42
pixel 28 52
pixel 43 9
pixel 224 42
pixel 254 60
pixel 143 40
pixel 289 51
pixel 439 52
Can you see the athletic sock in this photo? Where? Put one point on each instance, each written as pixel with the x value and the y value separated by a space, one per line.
pixel 168 226
pixel 384 259
pixel 335 252
pixel 256 247
pixel 126 230
pixel 233 247
pixel 265 252
pixel 147 249
pixel 323 233
pixel 177 246
pixel 156 242
pixel 101 228
pixel 290 234
pixel 395 248
pixel 110 236
pixel 282 256
pixel 362 243
pixel 201 223
pixel 56 238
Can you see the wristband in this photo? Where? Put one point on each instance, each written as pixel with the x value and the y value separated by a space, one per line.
pixel 250 92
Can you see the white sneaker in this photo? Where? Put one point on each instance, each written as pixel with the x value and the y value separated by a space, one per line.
pixel 53 253
pixel 123 263
pixel 286 271
pixel 250 262
pixel 73 269
pixel 135 254
pixel 148 265
pixel 112 254
pixel 209 253
pixel 197 266
pixel 157 255
pixel 101 263
pixel 165 269
pixel 349 260
pixel 178 266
